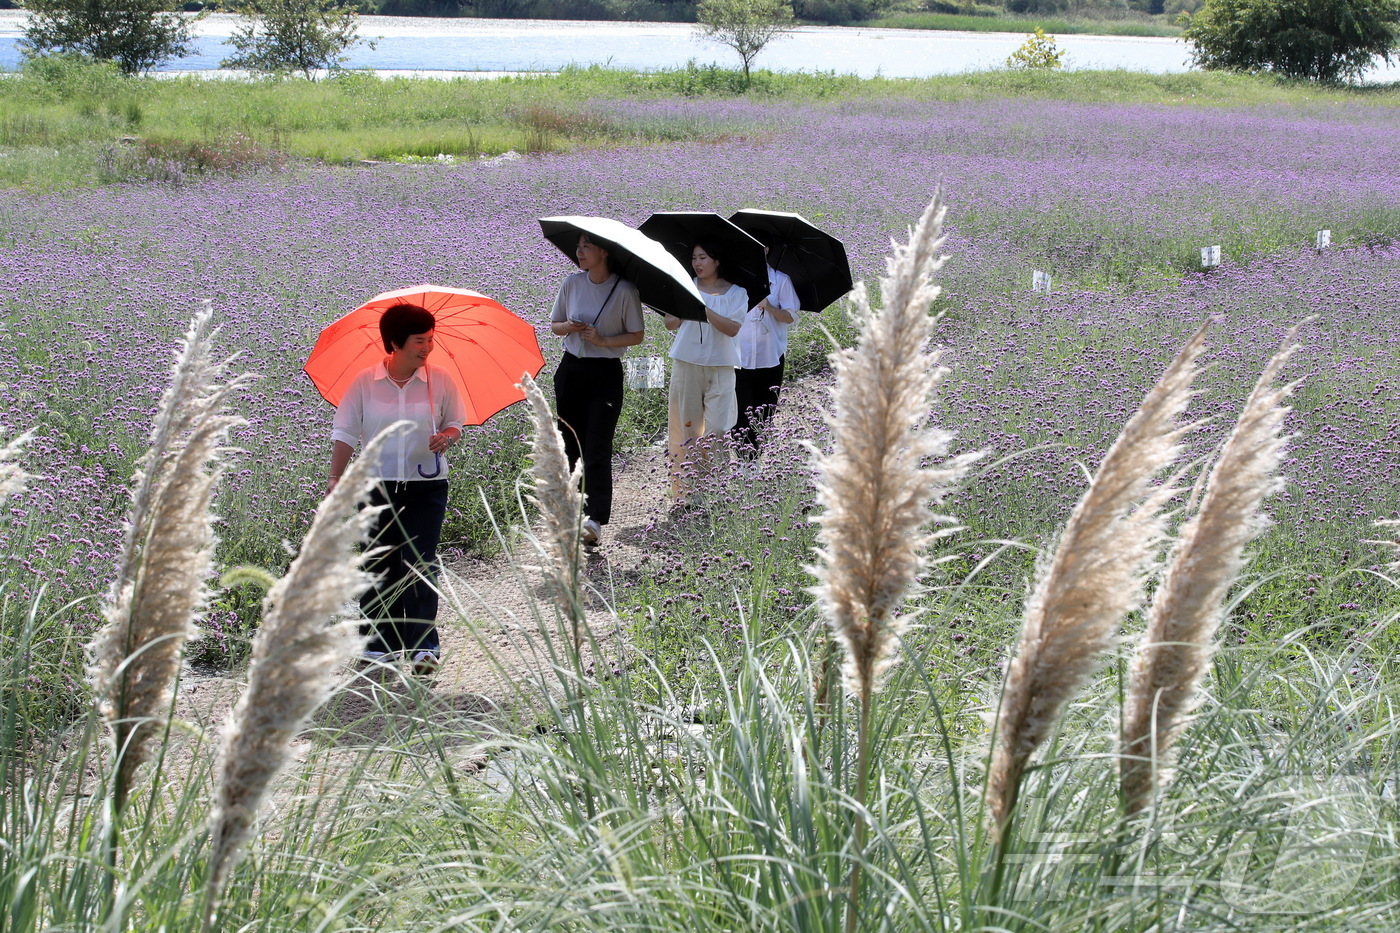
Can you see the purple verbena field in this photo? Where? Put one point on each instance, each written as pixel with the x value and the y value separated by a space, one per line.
pixel 1113 200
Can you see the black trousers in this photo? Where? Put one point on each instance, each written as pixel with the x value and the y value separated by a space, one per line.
pixel 588 400
pixel 756 391
pixel 403 605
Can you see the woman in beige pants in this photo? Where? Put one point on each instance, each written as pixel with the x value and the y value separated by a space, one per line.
pixel 701 404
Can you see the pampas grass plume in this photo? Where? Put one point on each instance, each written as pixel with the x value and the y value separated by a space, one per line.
pixel 302 639
pixel 1176 648
pixel 167 554
pixel 554 489
pixel 1394 565
pixel 12 478
pixel 1093 580
pixel 878 484
pixel 885 469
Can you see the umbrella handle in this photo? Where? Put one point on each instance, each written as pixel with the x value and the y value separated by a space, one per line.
pixel 437 468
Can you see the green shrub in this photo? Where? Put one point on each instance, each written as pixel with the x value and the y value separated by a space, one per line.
pixel 1316 40
pixel 1038 51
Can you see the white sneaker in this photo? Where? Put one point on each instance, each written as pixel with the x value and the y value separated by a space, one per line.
pixel 592 531
pixel 374 656
pixel 425 663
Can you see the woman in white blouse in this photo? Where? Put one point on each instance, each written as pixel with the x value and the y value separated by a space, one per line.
pixel 762 354
pixel 701 405
pixel 403 604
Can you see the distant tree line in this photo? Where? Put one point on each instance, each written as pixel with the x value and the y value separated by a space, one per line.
pixel 1101 8
pixel 675 11
pixel 819 11
pixel 815 11
pixel 684 11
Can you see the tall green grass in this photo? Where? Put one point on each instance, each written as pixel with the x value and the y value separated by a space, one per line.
pixel 604 805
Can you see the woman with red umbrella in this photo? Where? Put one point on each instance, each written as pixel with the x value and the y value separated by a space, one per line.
pixel 403 386
pixel 599 315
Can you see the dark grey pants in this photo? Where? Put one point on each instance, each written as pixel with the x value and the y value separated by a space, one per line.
pixel 756 391
pixel 403 605
pixel 588 400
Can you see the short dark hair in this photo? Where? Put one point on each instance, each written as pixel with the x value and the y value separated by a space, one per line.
pixel 715 250
pixel 607 256
pixel 402 321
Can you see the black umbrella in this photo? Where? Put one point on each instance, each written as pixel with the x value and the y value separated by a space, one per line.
pixel 743 262
pixel 815 261
pixel 663 284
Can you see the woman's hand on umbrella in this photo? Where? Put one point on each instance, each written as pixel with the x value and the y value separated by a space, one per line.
pixel 439 442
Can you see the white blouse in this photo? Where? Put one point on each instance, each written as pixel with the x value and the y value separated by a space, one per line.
pixel 700 343
pixel 430 399
pixel 764 339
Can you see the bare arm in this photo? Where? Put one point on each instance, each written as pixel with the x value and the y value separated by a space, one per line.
pixel 778 314
pixel 617 340
pixel 563 328
pixel 672 322
pixel 722 324
pixel 341 453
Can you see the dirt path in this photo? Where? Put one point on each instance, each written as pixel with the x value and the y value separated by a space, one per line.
pixel 490 627
pixel 499 600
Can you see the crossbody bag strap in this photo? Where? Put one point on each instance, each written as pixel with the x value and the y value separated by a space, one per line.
pixel 617 280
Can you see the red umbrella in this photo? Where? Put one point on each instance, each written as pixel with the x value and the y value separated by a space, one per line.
pixel 483 345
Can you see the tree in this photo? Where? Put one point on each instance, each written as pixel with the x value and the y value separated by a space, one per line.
pixel 135 34
pixel 1320 40
pixel 746 26
pixel 294 35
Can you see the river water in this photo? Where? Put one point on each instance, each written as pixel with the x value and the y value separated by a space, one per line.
pixel 417 45
pixel 410 45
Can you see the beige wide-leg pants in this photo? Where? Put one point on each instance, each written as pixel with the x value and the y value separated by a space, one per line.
pixel 702 407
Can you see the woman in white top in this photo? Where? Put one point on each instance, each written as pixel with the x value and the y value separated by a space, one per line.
pixel 599 315
pixel 701 404
pixel 762 355
pixel 403 604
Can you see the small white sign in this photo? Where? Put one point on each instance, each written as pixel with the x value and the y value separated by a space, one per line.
pixel 645 372
pixel 1040 282
pixel 1210 256
pixel 1324 239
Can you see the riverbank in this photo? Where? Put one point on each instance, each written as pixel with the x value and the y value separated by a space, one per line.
pixel 1157 26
